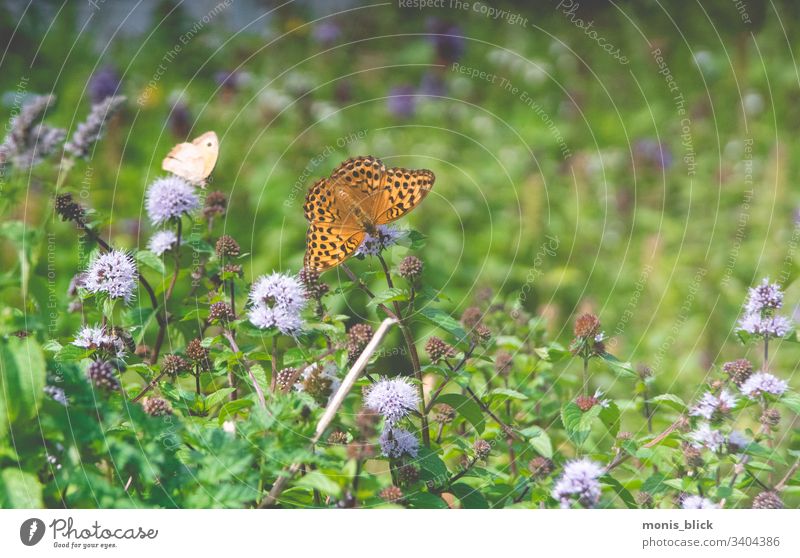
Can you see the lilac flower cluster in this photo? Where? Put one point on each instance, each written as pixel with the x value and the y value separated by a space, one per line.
pixel 113 273
pixel 162 241
pixel 96 337
pixel 761 383
pixel 170 198
pixel 698 503
pixel 759 318
pixel 373 245
pixel 714 406
pixel 397 442
pixel 276 301
pixel 393 398
pixel 580 483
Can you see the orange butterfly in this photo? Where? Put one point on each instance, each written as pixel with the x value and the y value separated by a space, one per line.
pixel 359 195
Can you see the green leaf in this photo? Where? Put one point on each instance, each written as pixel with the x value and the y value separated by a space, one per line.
pixel 621 369
pixel 388 295
pixel 445 321
pixel 757 450
pixel 610 415
pixel 470 498
pixel 622 492
pixel 654 484
pixel 671 400
pixel 426 501
pixel 432 469
pixel 572 419
pixel 466 407
pixel 791 400
pixel 232 408
pixel 316 480
pixel 539 441
pixel 22 379
pixel 218 397
pixel 149 259
pixel 19 489
pixel 504 393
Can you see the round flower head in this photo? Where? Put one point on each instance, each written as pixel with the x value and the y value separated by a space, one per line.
pixel 768 326
pixel 278 290
pixel 373 245
pixel 162 241
pixel 396 442
pixel 737 441
pixel 706 437
pixel 579 482
pixel 170 198
pixel 712 406
pixel 766 296
pixel 394 399
pixel 113 273
pixel 276 301
pixel 763 382
pixel 96 337
pixel 698 503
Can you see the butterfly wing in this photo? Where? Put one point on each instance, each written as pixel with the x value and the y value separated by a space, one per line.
pixel 329 244
pixel 208 144
pixel 357 182
pixel 400 192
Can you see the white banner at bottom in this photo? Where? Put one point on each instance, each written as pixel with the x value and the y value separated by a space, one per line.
pixel 401 533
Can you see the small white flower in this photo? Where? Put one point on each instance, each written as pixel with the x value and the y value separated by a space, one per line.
pixel 711 406
pixel 763 382
pixel 706 437
pixel 373 245
pixel 737 441
pixel 170 198
pixel 113 273
pixel 162 241
pixel 579 482
pixel 393 398
pixel 397 442
pixel 276 301
pixel 698 503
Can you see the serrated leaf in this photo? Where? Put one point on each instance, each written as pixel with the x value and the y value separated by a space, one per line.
pixel 388 295
pixel 505 393
pixel 316 480
pixel 426 501
pixel 231 408
pixel 539 441
pixel 466 407
pixel 621 369
pixel 445 321
pixel 622 492
pixel 470 498
pixel 432 469
pixel 610 415
pixel 218 397
pixel 149 259
pixel 671 400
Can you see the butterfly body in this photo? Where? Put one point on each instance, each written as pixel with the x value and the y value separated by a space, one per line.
pixel 193 160
pixel 360 194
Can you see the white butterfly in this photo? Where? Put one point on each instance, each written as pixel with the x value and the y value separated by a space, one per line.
pixel 193 161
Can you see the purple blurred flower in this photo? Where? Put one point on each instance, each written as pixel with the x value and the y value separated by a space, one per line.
pixel 402 101
pixel 706 437
pixel 105 82
pixel 653 153
pixel 768 326
pixel 698 503
pixel 396 442
pixel 712 406
pixel 447 40
pixel 432 85
pixel 180 119
pixel 393 398
pixel 579 482
pixel 170 197
pixel 326 32
pixel 766 296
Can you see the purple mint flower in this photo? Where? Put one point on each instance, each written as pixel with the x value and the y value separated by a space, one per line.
pixel 277 301
pixel 764 297
pixel 765 326
pixel 393 398
pixel 112 273
pixel 162 241
pixel 579 482
pixel 712 406
pixel 763 382
pixel 96 337
pixel 737 441
pixel 326 32
pixel 374 245
pixel 698 503
pixel 706 437
pixel 91 130
pixel 170 197
pixel 397 442
pixel 432 85
pixel 653 152
pixel 447 39
pixel 57 394
pixel 402 101
pixel 105 82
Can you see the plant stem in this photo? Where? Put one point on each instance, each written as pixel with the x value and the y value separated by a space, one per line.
pixel 148 387
pixel 235 348
pixel 274 362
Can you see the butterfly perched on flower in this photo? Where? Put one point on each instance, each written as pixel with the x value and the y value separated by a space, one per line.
pixel 359 195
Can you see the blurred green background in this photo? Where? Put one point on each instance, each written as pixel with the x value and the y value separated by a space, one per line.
pixel 575 168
